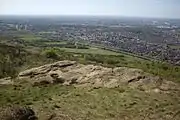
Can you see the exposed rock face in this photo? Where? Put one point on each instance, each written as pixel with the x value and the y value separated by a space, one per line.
pixel 6 81
pixel 72 73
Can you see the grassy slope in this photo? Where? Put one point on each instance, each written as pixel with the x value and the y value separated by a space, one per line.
pixel 89 103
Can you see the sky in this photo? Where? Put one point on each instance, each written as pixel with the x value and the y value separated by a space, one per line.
pixel 132 8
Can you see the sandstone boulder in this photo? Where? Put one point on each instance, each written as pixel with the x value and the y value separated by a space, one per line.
pixel 6 81
pixel 72 73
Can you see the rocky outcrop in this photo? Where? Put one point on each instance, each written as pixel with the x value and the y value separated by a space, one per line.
pixel 6 81
pixel 72 73
pixel 17 113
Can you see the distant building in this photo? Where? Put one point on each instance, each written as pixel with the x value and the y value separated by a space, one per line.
pixel 17 27
pixel 20 27
pixel 76 44
pixel 25 27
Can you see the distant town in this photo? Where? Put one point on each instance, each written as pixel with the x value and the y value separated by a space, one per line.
pixel 156 39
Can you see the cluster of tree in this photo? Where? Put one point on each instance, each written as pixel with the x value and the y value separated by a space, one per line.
pixel 40 43
pixel 10 59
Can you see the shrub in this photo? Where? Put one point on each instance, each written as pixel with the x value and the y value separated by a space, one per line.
pixel 112 61
pixel 164 67
pixel 51 53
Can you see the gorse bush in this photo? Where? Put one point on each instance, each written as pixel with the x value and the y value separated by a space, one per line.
pixel 51 53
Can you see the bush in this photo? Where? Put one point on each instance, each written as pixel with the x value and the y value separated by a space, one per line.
pixel 112 61
pixel 164 67
pixel 95 58
pixel 51 53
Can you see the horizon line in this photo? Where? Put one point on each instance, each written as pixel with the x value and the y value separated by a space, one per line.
pixel 83 15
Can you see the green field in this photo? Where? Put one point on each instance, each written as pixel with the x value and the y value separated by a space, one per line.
pixel 91 50
pixel 55 43
pixel 30 37
pixel 175 46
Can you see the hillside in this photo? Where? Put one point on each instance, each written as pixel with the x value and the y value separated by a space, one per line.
pixel 15 58
pixel 68 90
pixel 62 83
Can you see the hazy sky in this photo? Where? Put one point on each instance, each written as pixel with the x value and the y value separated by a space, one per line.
pixel 140 8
